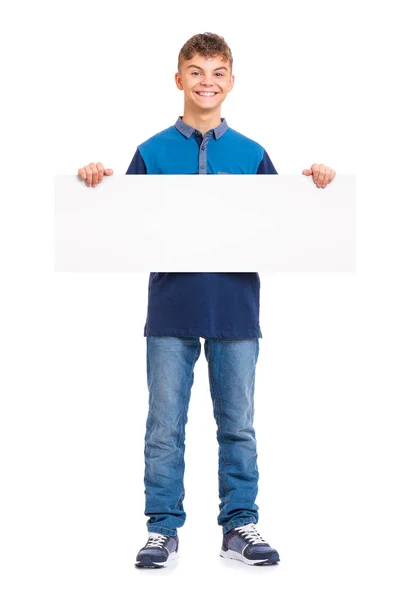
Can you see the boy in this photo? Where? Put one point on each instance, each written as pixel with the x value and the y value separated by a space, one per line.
pixel 223 308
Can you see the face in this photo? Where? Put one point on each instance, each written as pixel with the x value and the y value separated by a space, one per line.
pixel 205 82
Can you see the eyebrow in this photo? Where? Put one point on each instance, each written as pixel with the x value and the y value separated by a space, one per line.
pixel 201 69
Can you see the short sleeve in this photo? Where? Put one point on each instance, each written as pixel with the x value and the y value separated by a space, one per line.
pixel 266 166
pixel 137 165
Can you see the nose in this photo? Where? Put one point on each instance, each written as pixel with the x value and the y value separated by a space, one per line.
pixel 207 80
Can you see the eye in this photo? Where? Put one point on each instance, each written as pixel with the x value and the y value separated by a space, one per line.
pixel 220 74
pixel 194 73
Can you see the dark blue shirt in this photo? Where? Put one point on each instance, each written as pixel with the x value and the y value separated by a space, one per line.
pixel 208 305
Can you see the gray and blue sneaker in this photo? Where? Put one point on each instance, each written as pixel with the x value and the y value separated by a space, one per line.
pixel 246 544
pixel 158 551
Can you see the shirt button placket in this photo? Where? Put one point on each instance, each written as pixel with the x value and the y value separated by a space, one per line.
pixel 203 159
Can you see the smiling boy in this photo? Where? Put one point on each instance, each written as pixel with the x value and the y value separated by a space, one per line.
pixel 222 308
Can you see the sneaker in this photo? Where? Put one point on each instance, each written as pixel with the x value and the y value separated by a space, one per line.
pixel 158 551
pixel 246 544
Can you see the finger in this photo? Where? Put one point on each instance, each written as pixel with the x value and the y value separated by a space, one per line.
pixel 306 172
pixel 108 171
pixel 100 169
pixel 331 177
pixel 321 175
pixel 94 171
pixel 322 182
pixel 315 171
pixel 89 175
pixel 82 173
pixel 326 176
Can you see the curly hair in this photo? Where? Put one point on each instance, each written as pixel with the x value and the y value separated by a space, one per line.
pixel 208 45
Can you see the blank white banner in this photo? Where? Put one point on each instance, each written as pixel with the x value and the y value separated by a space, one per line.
pixel 226 223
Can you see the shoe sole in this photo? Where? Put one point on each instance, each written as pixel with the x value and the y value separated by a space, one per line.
pixel 147 563
pixel 253 563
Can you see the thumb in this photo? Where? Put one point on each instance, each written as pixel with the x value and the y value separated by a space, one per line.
pixel 108 171
pixel 307 172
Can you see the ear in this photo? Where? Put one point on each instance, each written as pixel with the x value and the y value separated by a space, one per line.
pixel 231 83
pixel 178 81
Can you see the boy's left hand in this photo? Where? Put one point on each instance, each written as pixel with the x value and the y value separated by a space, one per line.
pixel 322 175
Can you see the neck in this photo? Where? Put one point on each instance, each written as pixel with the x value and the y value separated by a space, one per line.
pixel 203 122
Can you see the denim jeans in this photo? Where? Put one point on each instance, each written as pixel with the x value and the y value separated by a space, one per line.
pixel 170 375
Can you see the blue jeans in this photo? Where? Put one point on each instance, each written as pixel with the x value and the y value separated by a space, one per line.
pixel 170 375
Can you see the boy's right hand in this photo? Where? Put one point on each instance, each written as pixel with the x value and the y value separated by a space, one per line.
pixel 93 173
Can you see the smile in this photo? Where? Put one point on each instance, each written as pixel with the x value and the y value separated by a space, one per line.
pixel 206 93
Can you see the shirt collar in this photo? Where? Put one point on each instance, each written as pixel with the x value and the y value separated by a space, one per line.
pixel 187 130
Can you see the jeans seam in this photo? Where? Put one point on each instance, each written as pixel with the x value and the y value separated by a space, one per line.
pixel 183 415
pixel 217 396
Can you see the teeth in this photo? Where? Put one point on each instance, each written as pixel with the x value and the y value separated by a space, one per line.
pixel 206 93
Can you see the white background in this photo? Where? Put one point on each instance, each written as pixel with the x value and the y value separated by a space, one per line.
pixel 335 390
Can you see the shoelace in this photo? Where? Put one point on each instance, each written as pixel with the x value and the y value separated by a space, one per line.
pixel 156 540
pixel 250 533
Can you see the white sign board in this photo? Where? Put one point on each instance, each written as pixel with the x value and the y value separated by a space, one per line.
pixel 226 223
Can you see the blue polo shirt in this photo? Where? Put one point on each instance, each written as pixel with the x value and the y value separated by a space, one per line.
pixel 208 305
